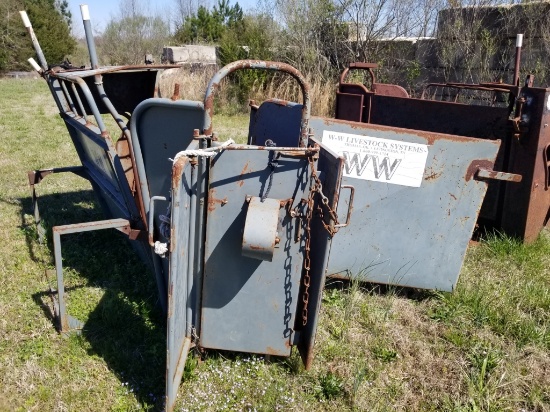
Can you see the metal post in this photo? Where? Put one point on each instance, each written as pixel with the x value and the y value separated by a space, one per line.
pixel 89 35
pixel 519 43
pixel 191 245
pixel 35 43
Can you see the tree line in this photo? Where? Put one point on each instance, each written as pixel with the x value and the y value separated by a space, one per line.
pixel 319 37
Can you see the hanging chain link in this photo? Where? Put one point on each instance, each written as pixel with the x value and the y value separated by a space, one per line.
pixel 316 187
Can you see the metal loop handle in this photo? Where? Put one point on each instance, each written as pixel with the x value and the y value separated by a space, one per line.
pixel 258 65
pixel 350 206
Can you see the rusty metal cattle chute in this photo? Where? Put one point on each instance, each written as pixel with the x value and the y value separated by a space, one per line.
pixel 241 236
pixel 517 115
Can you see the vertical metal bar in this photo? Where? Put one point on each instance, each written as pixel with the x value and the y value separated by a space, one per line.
pixel 90 99
pixel 201 227
pixel 519 44
pixel 79 101
pixel 68 96
pixel 107 102
pixel 63 319
pixel 35 43
pixel 89 35
pixel 191 246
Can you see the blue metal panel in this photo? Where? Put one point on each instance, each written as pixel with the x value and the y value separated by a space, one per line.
pixel 412 236
pixel 179 299
pixel 160 129
pixel 265 123
pixel 249 304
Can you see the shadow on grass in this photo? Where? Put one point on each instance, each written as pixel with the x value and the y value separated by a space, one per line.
pixel 380 289
pixel 127 327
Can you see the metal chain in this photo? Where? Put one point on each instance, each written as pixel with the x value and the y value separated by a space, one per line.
pixel 316 187
pixel 307 260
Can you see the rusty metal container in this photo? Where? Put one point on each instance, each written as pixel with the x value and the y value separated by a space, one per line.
pixel 517 209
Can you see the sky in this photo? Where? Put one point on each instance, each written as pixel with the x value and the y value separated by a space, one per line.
pixel 101 11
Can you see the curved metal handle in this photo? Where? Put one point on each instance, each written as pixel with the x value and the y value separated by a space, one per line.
pixel 150 229
pixel 350 205
pixel 360 66
pixel 258 65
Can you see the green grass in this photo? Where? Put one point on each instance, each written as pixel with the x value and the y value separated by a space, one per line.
pixel 485 347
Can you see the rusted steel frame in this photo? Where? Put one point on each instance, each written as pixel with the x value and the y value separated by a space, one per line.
pixel 111 69
pixel 202 183
pixel 191 252
pixel 494 175
pixel 122 225
pixel 359 66
pixel 460 86
pixel 34 40
pixel 258 65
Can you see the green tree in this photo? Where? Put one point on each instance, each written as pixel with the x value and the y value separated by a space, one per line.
pixel 50 26
pixel 52 30
pixel 127 40
pixel 208 26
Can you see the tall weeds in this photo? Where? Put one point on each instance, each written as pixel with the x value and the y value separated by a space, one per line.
pixel 193 82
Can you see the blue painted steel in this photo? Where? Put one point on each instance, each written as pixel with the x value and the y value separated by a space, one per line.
pixel 160 128
pixel 412 236
pixel 180 298
pixel 265 123
pixel 260 241
pixel 249 305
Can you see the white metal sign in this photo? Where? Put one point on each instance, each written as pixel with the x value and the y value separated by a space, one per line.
pixel 379 160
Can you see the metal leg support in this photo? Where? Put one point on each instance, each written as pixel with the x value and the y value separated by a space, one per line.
pixel 35 177
pixel 66 322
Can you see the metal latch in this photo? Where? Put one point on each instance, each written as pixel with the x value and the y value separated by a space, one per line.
pixel 486 174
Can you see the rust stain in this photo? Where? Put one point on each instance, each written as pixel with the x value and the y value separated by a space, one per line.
pixel 212 201
pixel 433 175
pixel 240 183
pixel 453 196
pixel 475 166
pixel 272 351
pixel 177 171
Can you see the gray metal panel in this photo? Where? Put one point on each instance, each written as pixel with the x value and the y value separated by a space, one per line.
pixel 266 123
pixel 160 129
pixel 248 304
pixel 412 236
pixel 178 294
